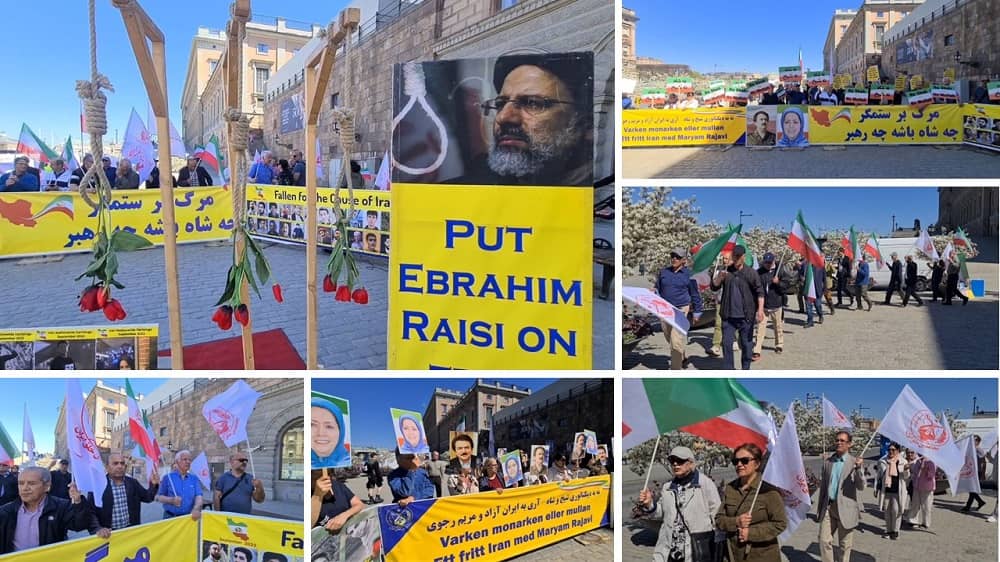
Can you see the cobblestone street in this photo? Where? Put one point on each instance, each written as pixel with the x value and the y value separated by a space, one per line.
pixel 42 293
pixel 830 162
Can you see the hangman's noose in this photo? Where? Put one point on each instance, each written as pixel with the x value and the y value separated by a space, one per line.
pixel 415 87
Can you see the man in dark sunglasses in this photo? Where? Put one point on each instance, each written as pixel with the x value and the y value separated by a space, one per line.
pixel 235 489
pixel 838 506
pixel 687 507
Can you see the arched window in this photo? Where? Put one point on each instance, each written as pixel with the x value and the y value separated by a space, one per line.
pixel 290 452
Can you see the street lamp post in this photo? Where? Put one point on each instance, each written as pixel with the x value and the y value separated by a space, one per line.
pixel 742 214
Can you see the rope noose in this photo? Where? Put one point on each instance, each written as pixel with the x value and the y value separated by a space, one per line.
pixel 240 141
pixel 416 89
pixel 95 108
pixel 345 122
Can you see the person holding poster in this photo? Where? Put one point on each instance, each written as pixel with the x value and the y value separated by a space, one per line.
pixel 333 503
pixel 408 483
pixel 579 445
pixel 409 430
pixel 539 459
pixel 463 467
pixel 511 463
pixel 793 128
pixel 591 441
pixel 491 479
pixel 329 432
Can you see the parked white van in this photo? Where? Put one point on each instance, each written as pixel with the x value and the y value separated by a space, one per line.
pixel 903 247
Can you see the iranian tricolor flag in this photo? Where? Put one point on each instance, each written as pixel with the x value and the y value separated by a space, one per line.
pixel 31 146
pixel 873 250
pixel 810 283
pixel 139 430
pixel 719 410
pixel 67 154
pixel 749 259
pixel 961 240
pixel 209 156
pixel 8 450
pixel 801 240
pixel 850 245
pixel 705 258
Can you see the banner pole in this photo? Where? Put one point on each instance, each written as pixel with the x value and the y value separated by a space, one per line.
pixel 250 456
pixel 652 460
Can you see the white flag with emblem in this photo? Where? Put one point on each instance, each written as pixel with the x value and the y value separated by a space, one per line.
pixel 229 412
pixel 911 424
pixel 925 244
pixel 786 471
pixel 833 417
pixel 657 305
pixel 199 466
pixel 85 457
pixel 968 478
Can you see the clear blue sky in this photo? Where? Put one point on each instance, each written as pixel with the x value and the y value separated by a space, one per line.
pixel 371 424
pixel 734 35
pixel 41 78
pixel 44 397
pixel 878 394
pixel 833 208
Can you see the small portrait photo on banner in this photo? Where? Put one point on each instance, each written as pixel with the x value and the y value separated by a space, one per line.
pixel 523 119
pixel 793 127
pixel 409 428
pixel 761 125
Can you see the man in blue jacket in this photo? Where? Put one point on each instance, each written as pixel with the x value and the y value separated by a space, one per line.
pixel 861 282
pixel 19 179
pixel 675 285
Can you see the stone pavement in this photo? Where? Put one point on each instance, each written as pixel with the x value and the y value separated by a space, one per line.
pixel 954 536
pixel 889 337
pixel 40 293
pixel 867 162
pixel 597 545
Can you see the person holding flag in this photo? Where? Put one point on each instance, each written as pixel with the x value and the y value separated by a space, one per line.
pixel 181 492
pixel 774 295
pixel 951 289
pixel 910 283
pixel 742 306
pixel 687 507
pixel 123 499
pixel 980 472
pixel 751 532
pixel 838 506
pixel 843 277
pixel 235 489
pixel 861 282
pixel 937 276
pixel 890 489
pixel 676 286
pixel 48 519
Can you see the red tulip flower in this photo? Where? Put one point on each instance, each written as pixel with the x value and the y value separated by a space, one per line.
pixel 223 317
pixel 88 299
pixel 344 293
pixel 360 296
pixel 328 286
pixel 242 314
pixel 114 311
pixel 276 289
pixel 103 296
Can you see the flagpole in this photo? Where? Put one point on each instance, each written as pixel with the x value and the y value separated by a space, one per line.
pixel 250 456
pixel 651 461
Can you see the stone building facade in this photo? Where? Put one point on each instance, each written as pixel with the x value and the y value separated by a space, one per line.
pixel 450 29
pixel 482 400
pixel 276 430
pixel 860 46
pixel 556 412
pixel 629 20
pixel 969 29
pixel 838 27
pixel 104 404
pixel 972 208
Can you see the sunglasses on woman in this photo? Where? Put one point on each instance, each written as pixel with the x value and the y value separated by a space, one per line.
pixel 742 460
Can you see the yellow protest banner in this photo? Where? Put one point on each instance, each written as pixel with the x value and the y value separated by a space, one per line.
pixel 881 124
pixel 260 535
pixel 873 75
pixel 171 539
pixel 86 347
pixel 683 127
pixel 900 83
pixel 490 526
pixel 278 213
pixel 59 223
pixel 916 81
pixel 487 277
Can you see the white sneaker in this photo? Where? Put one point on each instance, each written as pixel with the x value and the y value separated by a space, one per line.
pixel 991 519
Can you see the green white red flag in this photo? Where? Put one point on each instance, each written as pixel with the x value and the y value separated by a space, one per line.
pixel 961 241
pixel 801 240
pixel 704 259
pixel 138 429
pixel 67 154
pixel 850 245
pixel 749 259
pixel 719 410
pixel 33 147
pixel 873 250
pixel 810 283
pixel 8 451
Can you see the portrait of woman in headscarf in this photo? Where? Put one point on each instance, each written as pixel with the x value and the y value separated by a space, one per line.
pixel 412 434
pixel 793 128
pixel 328 432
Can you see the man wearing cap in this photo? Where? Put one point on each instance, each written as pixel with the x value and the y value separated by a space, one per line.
pixel 18 179
pixel 110 171
pixel 687 506
pixel 675 285
pixel 774 294
pixel 742 306
pixel 543 132
pixel 895 279
pixel 193 175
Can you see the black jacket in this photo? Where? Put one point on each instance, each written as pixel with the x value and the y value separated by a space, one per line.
pixel 747 282
pixel 184 177
pixel 773 292
pixel 135 495
pixel 911 274
pixel 58 517
pixel 937 274
pixel 9 489
pixel 60 484
pixel 896 278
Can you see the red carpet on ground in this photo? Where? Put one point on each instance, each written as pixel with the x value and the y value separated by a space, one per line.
pixel 271 350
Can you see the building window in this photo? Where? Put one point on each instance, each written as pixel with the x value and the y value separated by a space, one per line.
pixel 949 40
pixel 489 416
pixel 879 33
pixel 262 48
pixel 212 64
pixel 880 14
pixel 163 431
pixel 334 100
pixel 260 79
pixel 843 28
pixel 504 4
pixel 291 456
pixel 109 420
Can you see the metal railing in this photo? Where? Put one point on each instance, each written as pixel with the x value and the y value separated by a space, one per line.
pixel 895 32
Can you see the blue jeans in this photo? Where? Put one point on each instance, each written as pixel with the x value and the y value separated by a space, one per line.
pixel 730 327
pixel 818 305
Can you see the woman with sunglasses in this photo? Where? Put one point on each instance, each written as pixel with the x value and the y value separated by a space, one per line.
pixel 687 508
pixel 751 525
pixel 890 488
